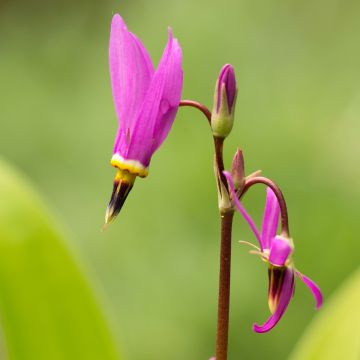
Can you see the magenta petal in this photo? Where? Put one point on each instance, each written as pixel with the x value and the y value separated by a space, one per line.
pixel 284 300
pixel 131 71
pixel 314 288
pixel 270 219
pixel 241 209
pixel 160 105
pixel 279 251
pixel 170 66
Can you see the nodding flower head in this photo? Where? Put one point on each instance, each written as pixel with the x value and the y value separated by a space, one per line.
pixel 222 118
pixel 276 250
pixel 146 103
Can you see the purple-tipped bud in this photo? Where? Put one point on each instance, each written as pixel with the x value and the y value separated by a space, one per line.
pixel 224 102
pixel 227 79
pixel 238 169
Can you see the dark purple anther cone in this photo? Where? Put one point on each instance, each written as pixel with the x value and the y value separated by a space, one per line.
pixel 227 77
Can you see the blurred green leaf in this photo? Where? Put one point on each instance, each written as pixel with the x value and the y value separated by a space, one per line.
pixel 334 334
pixel 48 310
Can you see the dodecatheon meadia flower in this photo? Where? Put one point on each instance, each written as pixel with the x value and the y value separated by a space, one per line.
pixel 146 102
pixel 222 118
pixel 277 251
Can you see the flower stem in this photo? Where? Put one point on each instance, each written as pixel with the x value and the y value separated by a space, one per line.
pixel 279 195
pixel 224 286
pixel 219 143
pixel 225 259
pixel 226 215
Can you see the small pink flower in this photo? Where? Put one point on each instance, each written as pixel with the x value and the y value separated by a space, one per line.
pixel 277 251
pixel 146 103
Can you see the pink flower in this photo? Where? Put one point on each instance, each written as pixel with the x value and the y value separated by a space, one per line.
pixel 277 251
pixel 146 103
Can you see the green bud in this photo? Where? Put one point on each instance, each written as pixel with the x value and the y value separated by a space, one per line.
pixel 222 118
pixel 238 169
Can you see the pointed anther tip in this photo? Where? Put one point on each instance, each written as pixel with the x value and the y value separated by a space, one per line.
pixel 122 185
pixel 109 217
pixel 112 211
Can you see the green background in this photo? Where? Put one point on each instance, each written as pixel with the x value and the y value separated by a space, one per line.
pixel 297 119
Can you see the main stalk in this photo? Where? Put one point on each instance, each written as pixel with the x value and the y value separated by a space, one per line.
pixel 224 286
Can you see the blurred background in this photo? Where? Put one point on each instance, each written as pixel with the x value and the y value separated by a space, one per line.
pixel 297 119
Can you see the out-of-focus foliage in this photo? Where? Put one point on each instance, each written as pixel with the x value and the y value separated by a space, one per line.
pixel 331 335
pixel 297 119
pixel 48 310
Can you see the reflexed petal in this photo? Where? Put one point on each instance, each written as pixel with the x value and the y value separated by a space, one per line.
pixel 159 107
pixel 276 279
pixel 314 288
pixel 279 251
pixel 270 219
pixel 284 299
pixel 131 71
pixel 173 74
pixel 241 209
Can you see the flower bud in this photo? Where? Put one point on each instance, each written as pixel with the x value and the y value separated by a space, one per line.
pixel 222 118
pixel 238 169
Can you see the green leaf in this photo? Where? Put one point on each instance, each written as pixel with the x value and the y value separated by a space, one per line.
pixel 48 310
pixel 334 334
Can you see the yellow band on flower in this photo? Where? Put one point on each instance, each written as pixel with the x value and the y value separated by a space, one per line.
pixel 123 176
pixel 134 167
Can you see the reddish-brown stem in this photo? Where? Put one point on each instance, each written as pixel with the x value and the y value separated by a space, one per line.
pixel 225 258
pixel 224 286
pixel 225 243
pixel 198 106
pixel 279 195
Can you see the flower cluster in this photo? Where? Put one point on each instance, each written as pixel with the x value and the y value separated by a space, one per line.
pixel 146 102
